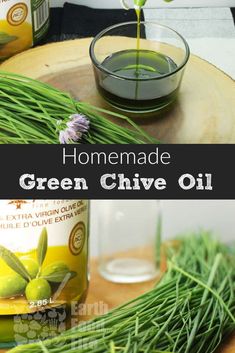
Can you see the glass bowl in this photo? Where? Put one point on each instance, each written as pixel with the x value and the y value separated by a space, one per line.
pixel 139 78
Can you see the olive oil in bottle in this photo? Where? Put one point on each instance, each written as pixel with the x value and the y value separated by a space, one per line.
pixel 43 267
pixel 23 23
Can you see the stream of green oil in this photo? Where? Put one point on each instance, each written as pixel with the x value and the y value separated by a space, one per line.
pixel 141 90
pixel 138 14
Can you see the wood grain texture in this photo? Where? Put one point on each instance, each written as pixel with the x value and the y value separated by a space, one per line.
pixel 112 295
pixel 204 112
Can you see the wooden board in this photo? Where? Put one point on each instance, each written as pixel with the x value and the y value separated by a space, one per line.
pixel 112 294
pixel 204 113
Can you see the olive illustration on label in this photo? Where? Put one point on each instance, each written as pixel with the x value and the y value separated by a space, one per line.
pixel 30 279
pixel 31 266
pixel 38 289
pixel 12 286
pixel 57 272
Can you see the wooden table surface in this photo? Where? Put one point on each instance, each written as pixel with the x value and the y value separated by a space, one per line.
pixel 204 112
pixel 109 295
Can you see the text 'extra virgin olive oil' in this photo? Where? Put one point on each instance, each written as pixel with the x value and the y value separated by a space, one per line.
pixel 141 81
pixel 43 267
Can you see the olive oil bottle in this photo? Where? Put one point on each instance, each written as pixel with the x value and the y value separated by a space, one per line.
pixel 43 267
pixel 22 24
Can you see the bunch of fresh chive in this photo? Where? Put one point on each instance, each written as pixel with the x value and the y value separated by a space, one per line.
pixel 32 112
pixel 189 311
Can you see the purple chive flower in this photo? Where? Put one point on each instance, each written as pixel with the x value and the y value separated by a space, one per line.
pixel 79 122
pixel 62 138
pixel 76 127
pixel 68 135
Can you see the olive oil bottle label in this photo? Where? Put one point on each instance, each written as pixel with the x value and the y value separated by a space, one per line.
pixel 43 254
pixel 22 24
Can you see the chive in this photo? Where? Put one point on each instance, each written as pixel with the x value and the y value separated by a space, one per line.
pixel 190 309
pixel 158 240
pixel 30 111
